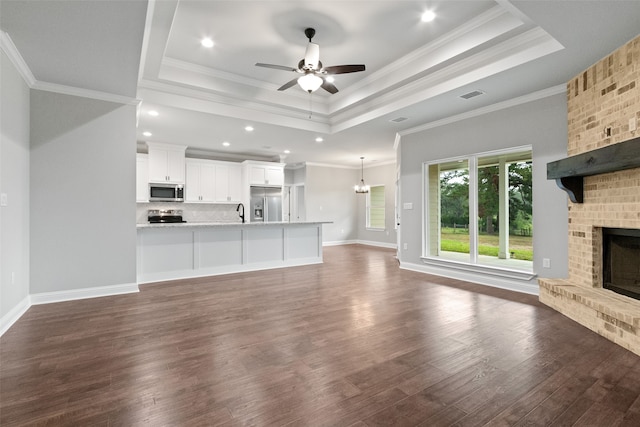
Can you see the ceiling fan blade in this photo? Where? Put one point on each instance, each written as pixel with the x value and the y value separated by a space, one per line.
pixel 329 87
pixel 343 69
pixel 312 56
pixel 276 67
pixel 288 84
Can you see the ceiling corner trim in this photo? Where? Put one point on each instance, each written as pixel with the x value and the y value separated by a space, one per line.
pixel 145 37
pixel 85 93
pixel 12 52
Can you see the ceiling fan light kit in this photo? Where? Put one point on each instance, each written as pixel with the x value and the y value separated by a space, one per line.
pixel 314 73
pixel 310 82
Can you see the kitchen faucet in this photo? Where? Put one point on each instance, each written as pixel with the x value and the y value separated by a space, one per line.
pixel 240 205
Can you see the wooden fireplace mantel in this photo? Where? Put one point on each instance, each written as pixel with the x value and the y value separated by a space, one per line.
pixel 569 172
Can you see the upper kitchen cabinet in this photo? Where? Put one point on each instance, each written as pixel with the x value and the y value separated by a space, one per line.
pixel 166 163
pixel 228 183
pixel 200 186
pixel 264 173
pixel 142 177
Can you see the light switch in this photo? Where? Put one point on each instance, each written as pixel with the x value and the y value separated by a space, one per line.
pixel 408 205
pixel 4 200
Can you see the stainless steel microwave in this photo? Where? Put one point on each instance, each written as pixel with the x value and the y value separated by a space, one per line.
pixel 166 192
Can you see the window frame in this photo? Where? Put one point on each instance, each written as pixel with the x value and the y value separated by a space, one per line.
pixel 368 207
pixel 472 165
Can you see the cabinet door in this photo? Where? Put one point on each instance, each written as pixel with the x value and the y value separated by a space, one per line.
pixel 274 176
pixel 207 183
pixel 157 165
pixel 192 184
pixel 175 166
pixel 142 178
pixel 222 183
pixel 257 175
pixel 235 184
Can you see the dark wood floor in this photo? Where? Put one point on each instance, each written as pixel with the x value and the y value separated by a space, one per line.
pixel 354 341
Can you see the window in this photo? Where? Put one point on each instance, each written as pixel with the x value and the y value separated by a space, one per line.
pixel 495 189
pixel 375 207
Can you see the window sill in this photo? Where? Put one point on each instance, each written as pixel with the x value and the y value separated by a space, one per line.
pixel 478 268
pixel 374 229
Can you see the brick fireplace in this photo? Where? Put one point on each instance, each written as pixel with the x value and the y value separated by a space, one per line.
pixel 603 110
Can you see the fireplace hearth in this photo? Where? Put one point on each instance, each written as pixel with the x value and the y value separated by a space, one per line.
pixel 621 261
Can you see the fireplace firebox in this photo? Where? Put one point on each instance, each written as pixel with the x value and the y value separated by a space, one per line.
pixel 621 261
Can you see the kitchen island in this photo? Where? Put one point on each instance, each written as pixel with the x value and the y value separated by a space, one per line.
pixel 185 250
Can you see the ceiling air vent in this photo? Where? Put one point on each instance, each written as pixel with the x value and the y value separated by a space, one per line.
pixel 399 119
pixel 472 94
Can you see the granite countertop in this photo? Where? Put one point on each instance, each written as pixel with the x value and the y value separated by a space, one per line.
pixel 224 224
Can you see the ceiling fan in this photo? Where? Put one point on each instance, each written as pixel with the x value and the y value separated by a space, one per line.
pixel 313 73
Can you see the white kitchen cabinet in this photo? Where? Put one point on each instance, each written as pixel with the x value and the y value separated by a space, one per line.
pixel 166 163
pixel 228 183
pixel 142 177
pixel 264 174
pixel 200 186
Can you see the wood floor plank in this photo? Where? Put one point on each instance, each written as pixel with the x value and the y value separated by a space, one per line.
pixel 353 341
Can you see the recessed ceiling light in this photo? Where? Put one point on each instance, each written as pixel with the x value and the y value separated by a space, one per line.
pixel 226 144
pixel 286 151
pixel 153 113
pixel 330 79
pixel 319 139
pixel 249 128
pixel 147 133
pixel 428 16
pixel 207 42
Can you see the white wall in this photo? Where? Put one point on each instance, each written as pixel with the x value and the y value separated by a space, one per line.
pixel 541 124
pixel 379 175
pixel 83 209
pixel 330 197
pixel 14 182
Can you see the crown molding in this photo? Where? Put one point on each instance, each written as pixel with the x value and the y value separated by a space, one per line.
pixel 535 96
pixel 525 47
pixel 483 28
pixel 10 49
pixel 212 103
pixel 85 93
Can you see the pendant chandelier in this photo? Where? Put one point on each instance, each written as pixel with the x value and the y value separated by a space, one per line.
pixel 362 188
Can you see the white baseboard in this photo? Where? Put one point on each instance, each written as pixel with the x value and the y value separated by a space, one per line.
pixel 74 294
pixel 361 242
pixel 339 242
pixel 12 316
pixel 511 284
pixel 378 244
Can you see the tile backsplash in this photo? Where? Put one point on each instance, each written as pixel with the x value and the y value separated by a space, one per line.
pixel 192 212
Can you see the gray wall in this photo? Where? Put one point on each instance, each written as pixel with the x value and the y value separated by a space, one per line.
pixel 14 182
pixel 379 175
pixel 541 124
pixel 83 209
pixel 330 197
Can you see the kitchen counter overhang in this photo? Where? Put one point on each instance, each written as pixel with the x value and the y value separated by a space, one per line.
pixel 195 249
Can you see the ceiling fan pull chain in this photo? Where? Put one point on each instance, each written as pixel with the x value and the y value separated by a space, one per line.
pixel 310 104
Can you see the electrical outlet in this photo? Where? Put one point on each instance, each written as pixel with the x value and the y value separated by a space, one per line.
pixel 404 246
pixel 546 263
pixel 4 199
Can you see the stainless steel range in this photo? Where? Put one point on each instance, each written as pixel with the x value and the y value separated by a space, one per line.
pixel 168 216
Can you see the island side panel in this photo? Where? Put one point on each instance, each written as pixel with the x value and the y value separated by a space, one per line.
pixel 304 242
pixel 219 247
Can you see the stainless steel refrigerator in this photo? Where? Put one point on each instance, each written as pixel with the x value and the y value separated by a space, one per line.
pixel 266 204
